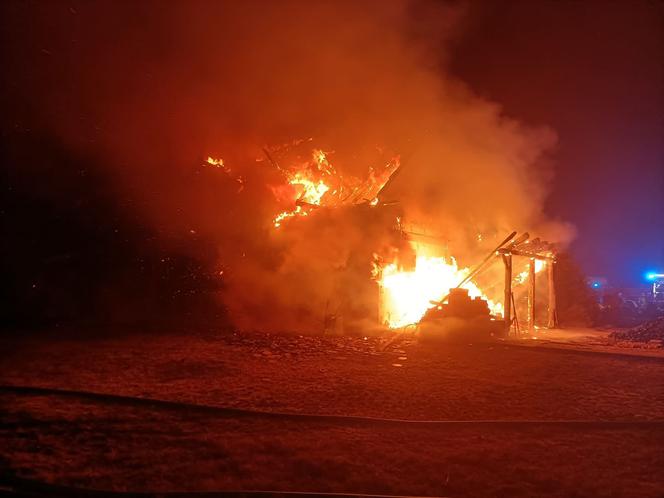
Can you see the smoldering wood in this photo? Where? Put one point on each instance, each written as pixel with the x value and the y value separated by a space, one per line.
pixel 300 202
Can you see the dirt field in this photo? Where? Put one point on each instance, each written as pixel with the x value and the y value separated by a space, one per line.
pixel 117 447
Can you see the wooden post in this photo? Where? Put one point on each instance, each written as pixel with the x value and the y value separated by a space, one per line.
pixel 552 321
pixel 531 295
pixel 507 302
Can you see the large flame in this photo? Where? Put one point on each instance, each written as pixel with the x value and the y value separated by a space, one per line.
pixel 316 183
pixel 405 295
pixel 309 186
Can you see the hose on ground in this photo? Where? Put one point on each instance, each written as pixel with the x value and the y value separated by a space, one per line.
pixel 30 488
pixel 118 399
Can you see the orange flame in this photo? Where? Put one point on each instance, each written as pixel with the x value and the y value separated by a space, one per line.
pixel 406 295
pixel 218 163
pixel 523 276
pixel 317 183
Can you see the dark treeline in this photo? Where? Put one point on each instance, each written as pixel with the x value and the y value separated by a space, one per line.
pixel 73 252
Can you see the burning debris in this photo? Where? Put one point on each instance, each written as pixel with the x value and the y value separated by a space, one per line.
pixel 316 183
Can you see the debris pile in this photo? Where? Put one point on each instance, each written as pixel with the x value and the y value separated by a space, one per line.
pixel 652 330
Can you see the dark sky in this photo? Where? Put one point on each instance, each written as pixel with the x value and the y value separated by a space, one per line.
pixel 594 71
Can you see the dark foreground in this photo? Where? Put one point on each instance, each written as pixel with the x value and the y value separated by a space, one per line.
pixel 110 445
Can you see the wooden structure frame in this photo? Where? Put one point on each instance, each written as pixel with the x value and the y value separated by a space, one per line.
pixel 533 251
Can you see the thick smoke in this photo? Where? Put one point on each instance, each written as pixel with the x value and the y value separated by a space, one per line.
pixel 151 89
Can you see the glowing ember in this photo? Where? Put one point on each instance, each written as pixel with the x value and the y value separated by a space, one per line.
pixel 405 295
pixel 298 211
pixel 218 163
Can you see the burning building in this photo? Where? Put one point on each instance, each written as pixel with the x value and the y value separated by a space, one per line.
pixel 374 270
pixel 314 233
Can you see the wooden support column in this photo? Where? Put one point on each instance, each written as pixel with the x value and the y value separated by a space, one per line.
pixel 507 302
pixel 531 295
pixel 552 321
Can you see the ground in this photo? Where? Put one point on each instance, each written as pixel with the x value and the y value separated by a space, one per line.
pixel 560 377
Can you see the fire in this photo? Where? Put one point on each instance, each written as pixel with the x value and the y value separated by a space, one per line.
pixel 298 211
pixel 405 295
pixel 218 163
pixel 523 276
pixel 308 185
pixel 317 183
pixel 311 191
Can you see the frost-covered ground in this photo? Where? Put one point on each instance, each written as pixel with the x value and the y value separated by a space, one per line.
pixel 99 445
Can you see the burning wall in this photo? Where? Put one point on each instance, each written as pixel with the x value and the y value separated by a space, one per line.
pixel 152 89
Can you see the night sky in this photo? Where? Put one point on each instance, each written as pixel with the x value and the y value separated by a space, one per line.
pixel 593 71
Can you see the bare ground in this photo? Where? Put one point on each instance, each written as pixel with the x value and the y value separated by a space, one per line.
pixel 102 446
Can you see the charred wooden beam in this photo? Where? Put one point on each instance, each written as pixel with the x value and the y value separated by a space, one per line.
pixel 552 321
pixel 300 202
pixel 531 255
pixel 271 159
pixel 531 295
pixel 389 181
pixel 519 240
pixel 507 260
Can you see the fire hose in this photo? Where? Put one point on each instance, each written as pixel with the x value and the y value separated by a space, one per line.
pixel 31 488
pixel 119 399
pixel 11 485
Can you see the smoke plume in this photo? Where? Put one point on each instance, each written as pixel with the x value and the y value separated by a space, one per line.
pixel 150 89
